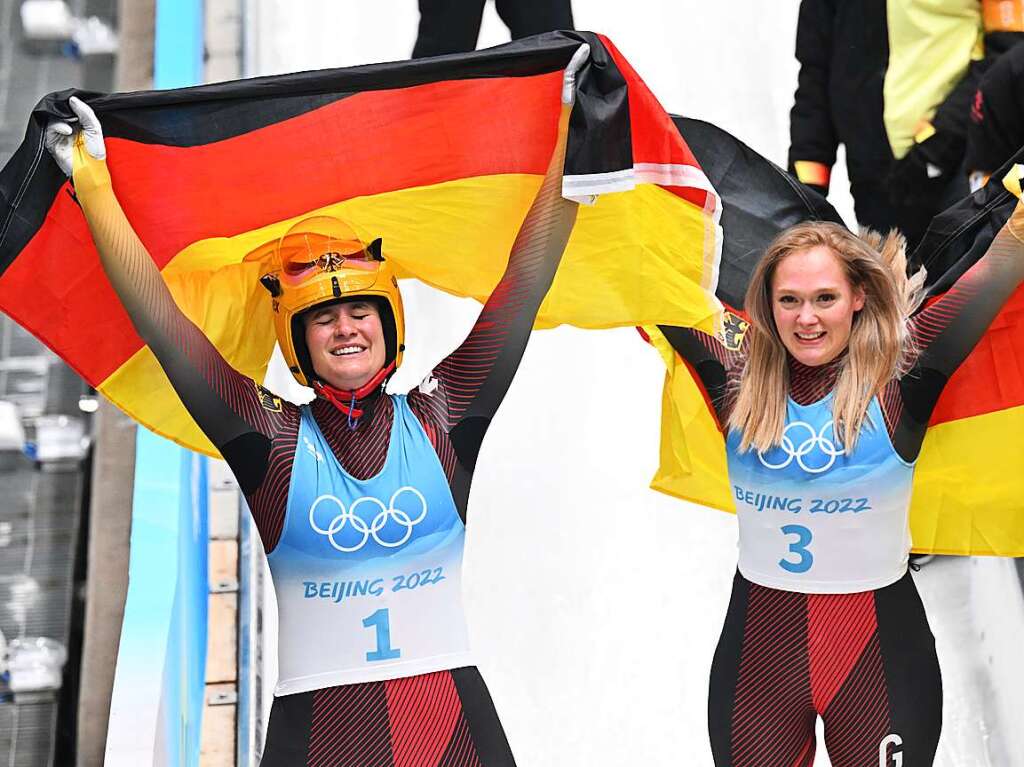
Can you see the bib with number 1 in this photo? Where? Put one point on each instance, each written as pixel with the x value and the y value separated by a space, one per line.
pixel 367 572
pixel 815 520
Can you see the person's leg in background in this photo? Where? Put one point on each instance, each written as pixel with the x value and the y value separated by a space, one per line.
pixel 453 26
pixel 448 26
pixel 531 17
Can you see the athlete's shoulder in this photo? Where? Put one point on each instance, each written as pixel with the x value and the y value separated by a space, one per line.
pixel 282 414
pixel 429 398
pixel 267 400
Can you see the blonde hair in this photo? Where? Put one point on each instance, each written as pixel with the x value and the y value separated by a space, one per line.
pixel 880 346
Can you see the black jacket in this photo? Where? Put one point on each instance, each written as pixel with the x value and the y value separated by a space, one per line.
pixel 843 50
pixel 996 128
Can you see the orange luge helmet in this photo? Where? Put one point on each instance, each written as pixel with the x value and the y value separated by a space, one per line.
pixel 322 260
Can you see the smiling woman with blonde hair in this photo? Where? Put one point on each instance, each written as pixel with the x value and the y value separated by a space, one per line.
pixel 878 348
pixel 824 405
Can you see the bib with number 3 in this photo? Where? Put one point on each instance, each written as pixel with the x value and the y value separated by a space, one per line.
pixel 814 519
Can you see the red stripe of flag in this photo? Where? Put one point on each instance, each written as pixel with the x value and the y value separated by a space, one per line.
pixel 386 140
pixel 56 288
pixel 992 376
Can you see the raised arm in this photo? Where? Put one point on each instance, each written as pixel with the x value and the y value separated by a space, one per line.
pixel 948 329
pixel 476 376
pixel 224 403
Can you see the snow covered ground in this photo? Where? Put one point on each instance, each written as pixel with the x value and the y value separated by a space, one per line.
pixel 595 603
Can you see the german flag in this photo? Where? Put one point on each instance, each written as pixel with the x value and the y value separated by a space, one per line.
pixel 439 157
pixel 968 495
pixel 442 157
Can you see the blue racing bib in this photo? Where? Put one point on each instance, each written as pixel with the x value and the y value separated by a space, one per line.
pixel 368 572
pixel 814 519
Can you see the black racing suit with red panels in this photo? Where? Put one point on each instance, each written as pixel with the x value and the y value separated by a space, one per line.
pixel 798 644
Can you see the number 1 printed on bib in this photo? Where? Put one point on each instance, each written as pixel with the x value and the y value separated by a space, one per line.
pixel 381 620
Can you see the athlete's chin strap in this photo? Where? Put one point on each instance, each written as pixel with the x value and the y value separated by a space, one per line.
pixel 345 399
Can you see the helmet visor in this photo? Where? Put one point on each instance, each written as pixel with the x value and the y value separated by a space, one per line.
pixel 305 254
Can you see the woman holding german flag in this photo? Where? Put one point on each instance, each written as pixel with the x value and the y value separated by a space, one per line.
pixel 360 497
pixel 825 397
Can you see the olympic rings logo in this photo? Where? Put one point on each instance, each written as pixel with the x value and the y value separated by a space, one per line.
pixel 384 514
pixel 812 441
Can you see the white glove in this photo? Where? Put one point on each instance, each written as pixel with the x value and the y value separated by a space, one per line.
pixel 569 77
pixel 59 138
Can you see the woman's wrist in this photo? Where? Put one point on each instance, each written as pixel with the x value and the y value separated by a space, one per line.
pixel 1015 224
pixel 89 173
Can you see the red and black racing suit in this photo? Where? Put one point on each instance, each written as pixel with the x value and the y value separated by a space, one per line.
pixel 864 662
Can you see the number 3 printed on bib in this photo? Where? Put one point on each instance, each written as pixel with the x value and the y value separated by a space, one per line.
pixel 799 548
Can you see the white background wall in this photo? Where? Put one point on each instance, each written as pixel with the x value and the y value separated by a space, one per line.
pixel 594 603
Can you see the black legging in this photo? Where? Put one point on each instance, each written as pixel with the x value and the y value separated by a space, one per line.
pixel 443 719
pixel 865 663
pixel 452 26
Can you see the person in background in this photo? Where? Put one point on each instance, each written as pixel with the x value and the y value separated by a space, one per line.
pixel 452 26
pixel 894 83
pixel 996 129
